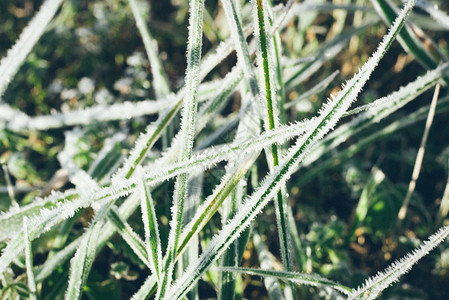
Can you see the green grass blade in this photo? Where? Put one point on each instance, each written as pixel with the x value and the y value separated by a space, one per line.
pixel 146 141
pixel 130 237
pixel 373 286
pixel 16 56
pixel 160 82
pixel 187 135
pixel 266 67
pixel 241 46
pixel 433 10
pixel 152 239
pixel 329 116
pixel 191 206
pixel 208 208
pixel 266 71
pixel 81 263
pixel 297 278
pixel 407 37
pixel 29 262
pixel 271 284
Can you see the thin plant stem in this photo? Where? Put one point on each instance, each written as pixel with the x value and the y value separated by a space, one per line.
pixel 420 155
pixel 268 70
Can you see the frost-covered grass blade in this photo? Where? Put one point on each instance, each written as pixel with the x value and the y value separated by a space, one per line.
pixel 152 238
pixel 375 285
pixel 187 135
pixel 16 56
pixel 297 278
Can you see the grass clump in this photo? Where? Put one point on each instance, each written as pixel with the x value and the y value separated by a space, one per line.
pixel 102 113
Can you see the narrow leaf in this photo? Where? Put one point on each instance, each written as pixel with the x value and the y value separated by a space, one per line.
pixel 266 73
pixel 297 278
pixel 373 286
pixel 16 56
pixel 241 46
pixel 408 37
pixel 436 13
pixel 130 237
pixel 160 81
pixel 152 239
pixel 271 284
pixel 82 262
pixel 189 112
pixel 29 262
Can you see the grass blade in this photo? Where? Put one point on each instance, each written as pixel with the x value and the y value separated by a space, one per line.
pixel 373 286
pixel 271 284
pixel 160 82
pixel 152 239
pixel 420 155
pixel 433 10
pixel 29 262
pixel 146 141
pixel 266 71
pixel 16 56
pixel 130 237
pixel 191 206
pixel 188 134
pixel 81 263
pixel 408 38
pixel 208 208
pixel 297 278
pixel 241 46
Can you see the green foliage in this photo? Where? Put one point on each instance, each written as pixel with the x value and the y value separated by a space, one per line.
pixel 188 109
